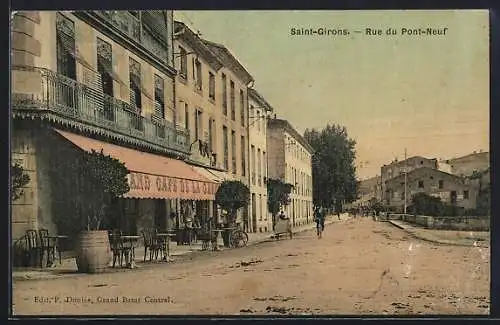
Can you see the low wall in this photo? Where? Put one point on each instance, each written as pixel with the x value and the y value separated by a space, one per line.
pixel 464 223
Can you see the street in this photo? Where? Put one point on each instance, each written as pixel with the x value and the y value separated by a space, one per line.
pixel 359 267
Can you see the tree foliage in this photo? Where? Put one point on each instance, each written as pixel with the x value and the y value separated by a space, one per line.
pixel 19 179
pixel 100 179
pixel 231 196
pixel 424 204
pixel 333 166
pixel 278 195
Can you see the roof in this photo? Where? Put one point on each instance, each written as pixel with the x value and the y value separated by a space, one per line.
pixel 229 61
pixel 408 159
pixel 259 98
pixel 419 170
pixel 185 34
pixel 151 176
pixel 284 124
pixel 478 155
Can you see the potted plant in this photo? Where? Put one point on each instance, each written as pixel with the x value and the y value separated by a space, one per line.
pixel 231 196
pixel 101 178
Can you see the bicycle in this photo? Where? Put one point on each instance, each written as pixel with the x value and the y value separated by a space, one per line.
pixel 238 238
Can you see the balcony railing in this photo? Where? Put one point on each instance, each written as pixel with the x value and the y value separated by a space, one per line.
pixel 73 100
pixel 131 26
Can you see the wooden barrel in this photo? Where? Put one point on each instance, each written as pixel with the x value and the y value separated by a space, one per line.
pixel 93 252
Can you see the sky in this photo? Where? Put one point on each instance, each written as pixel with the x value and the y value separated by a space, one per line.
pixel 426 93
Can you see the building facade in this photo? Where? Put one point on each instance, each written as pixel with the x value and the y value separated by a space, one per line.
pixel 290 160
pixel 397 168
pixel 259 110
pixel 99 80
pixel 211 92
pixel 449 188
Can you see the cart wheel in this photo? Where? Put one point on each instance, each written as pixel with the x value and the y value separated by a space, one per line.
pixel 239 239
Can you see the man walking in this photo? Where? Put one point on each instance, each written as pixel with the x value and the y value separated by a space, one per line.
pixel 319 218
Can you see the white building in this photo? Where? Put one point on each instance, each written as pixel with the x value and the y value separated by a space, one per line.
pixel 289 159
pixel 259 108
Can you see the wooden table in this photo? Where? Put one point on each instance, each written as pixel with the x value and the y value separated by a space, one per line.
pixel 166 235
pixel 132 239
pixel 56 246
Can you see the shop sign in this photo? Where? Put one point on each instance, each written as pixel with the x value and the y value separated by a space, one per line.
pixel 155 183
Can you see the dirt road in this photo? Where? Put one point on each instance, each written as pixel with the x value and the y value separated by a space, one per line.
pixel 359 267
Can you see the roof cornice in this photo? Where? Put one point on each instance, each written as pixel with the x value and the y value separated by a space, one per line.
pixel 186 35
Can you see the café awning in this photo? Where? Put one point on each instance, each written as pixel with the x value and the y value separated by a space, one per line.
pixel 152 176
pixel 208 174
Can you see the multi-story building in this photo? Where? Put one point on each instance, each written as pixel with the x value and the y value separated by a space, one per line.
pixel 101 80
pixel 396 168
pixel 450 188
pixel 467 165
pixel 369 191
pixel 211 92
pixel 290 160
pixel 259 110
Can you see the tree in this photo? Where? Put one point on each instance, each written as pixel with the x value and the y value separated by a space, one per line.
pixel 19 179
pixel 278 195
pixel 231 196
pixel 100 179
pixel 333 166
pixel 424 204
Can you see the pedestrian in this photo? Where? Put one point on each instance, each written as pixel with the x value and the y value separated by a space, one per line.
pixel 319 218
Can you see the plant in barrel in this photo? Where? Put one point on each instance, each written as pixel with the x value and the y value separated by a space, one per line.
pixel 232 196
pixel 100 179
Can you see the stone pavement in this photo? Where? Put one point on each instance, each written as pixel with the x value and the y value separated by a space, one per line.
pixel 446 237
pixel 68 266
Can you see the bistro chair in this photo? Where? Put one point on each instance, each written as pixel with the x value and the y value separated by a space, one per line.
pixel 47 245
pixel 33 246
pixel 119 250
pixel 150 242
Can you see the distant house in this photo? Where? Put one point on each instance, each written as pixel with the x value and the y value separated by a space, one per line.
pixel 397 168
pixel 369 189
pixel 450 188
pixel 466 165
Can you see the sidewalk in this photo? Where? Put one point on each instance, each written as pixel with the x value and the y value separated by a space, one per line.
pixel 68 266
pixel 445 237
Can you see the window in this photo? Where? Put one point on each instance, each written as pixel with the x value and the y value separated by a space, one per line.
pixel 252 162
pixel 226 148
pixel 199 78
pixel 65 47
pixel 186 116
pixel 441 184
pixel 242 107
pixel 198 127
pixel 183 66
pixel 259 166
pixel 264 160
pixel 224 94
pixel 211 85
pixel 233 108
pixel 210 134
pixel 420 184
pixel 135 84
pixel 233 151
pixel 466 195
pixel 257 116
pixel 243 162
pixel 105 66
pixel 159 96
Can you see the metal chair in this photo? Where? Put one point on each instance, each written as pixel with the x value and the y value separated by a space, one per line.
pixel 49 246
pixel 117 247
pixel 33 246
pixel 150 242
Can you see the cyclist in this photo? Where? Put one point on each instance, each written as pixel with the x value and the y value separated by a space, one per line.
pixel 319 218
